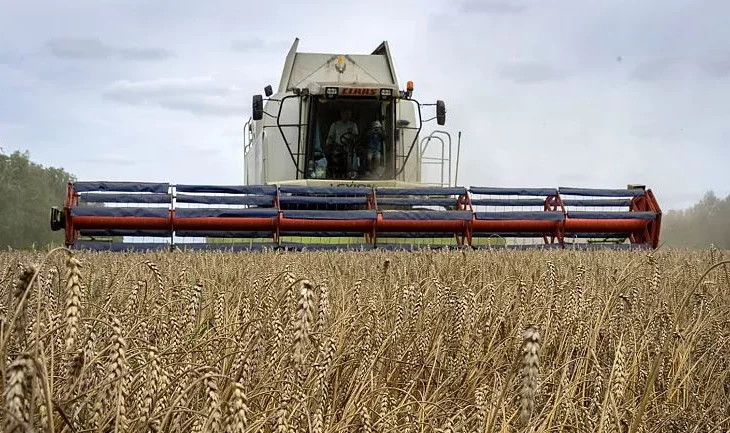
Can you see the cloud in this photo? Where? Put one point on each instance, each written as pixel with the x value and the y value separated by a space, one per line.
pixel 86 49
pixel 94 49
pixel 529 72
pixel 14 79
pixel 195 95
pixel 452 20
pixel 6 126
pixel 109 159
pixel 664 68
pixel 716 65
pixel 656 69
pixel 144 53
pixel 492 7
pixel 248 45
pixel 257 45
pixel 649 131
pixel 10 58
pixel 163 87
pixel 214 106
pixel 198 152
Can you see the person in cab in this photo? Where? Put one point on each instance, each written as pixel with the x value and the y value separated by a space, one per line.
pixel 342 135
pixel 374 149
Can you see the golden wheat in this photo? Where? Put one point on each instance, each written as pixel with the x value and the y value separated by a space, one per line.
pixel 425 341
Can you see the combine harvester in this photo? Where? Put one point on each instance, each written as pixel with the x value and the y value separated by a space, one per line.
pixel 306 188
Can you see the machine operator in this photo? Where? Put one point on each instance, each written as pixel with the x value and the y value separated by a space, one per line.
pixel 338 155
pixel 339 128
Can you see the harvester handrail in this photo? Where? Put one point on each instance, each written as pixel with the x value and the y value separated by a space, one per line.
pixel 438 160
pixel 415 138
pixel 299 130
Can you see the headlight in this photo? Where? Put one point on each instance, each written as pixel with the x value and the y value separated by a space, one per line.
pixel 331 92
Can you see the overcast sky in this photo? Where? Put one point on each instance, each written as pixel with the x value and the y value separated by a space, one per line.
pixel 546 93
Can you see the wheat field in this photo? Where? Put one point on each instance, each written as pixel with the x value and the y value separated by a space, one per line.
pixel 447 341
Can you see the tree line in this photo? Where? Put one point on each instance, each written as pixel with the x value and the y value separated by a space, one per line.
pixel 28 190
pixel 706 222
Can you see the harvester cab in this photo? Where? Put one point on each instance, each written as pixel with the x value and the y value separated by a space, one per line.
pixel 337 118
pixel 351 131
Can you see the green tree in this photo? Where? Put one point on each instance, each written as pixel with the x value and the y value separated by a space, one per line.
pixel 27 192
pixel 706 222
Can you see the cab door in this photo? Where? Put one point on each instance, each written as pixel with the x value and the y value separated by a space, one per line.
pixel 310 135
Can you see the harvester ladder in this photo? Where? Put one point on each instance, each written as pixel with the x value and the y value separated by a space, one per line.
pixel 443 161
pixel 247 142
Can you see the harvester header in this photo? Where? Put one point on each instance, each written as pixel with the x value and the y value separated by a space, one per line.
pixel 270 216
pixel 335 157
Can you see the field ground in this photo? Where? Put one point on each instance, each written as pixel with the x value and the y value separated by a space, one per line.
pixel 476 341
